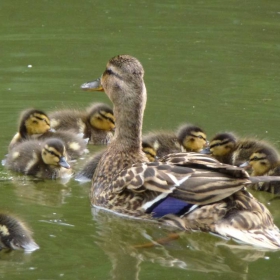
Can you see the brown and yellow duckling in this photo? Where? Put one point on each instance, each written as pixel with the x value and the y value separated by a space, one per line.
pixel 226 148
pixel 42 159
pixel 96 123
pixel 159 144
pixel 36 124
pixel 265 161
pixel 222 147
pixel 187 190
pixel 192 138
pixel 32 124
pixel 14 234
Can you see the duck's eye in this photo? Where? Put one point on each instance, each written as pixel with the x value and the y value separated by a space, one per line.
pixel 109 72
pixel 34 121
pixel 263 163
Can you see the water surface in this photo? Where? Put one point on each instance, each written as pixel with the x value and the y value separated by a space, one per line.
pixel 211 63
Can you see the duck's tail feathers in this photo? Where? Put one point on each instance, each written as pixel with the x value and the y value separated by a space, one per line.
pixel 265 239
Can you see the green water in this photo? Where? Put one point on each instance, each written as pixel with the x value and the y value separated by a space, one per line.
pixel 212 63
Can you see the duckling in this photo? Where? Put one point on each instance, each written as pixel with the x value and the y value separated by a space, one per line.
pixel 36 124
pixel 226 148
pixel 87 171
pixel 244 149
pixel 75 145
pixel 222 146
pixel 192 138
pixel 96 123
pixel 160 143
pixel 265 161
pixel 32 124
pixel 149 150
pixel 15 235
pixel 41 159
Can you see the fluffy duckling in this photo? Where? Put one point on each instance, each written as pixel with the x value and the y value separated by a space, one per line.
pixel 244 149
pixel 32 124
pixel 192 138
pixel 226 148
pixel 75 145
pixel 36 124
pixel 96 123
pixel 41 159
pixel 15 235
pixel 265 161
pixel 222 146
pixel 87 171
pixel 160 143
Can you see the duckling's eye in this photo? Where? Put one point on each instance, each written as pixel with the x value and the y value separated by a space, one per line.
pixel 34 121
pixel 263 163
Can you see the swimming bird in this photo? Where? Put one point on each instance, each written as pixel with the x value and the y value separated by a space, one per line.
pixel 96 123
pixel 14 234
pixel 192 138
pixel 187 190
pixel 42 159
pixel 35 124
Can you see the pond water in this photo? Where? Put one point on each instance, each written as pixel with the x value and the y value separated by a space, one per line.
pixel 211 63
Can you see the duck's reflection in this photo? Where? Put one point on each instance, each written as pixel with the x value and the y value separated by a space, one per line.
pixel 41 192
pixel 120 238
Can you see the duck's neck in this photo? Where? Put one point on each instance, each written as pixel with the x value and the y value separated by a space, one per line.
pixel 129 118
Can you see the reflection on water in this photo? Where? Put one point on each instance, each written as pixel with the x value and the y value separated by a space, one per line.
pixel 118 237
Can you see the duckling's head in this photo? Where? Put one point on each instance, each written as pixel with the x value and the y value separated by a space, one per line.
pixel 149 150
pixel 263 160
pixel 54 153
pixel 192 138
pixel 101 117
pixel 244 149
pixel 222 144
pixel 14 234
pixel 32 122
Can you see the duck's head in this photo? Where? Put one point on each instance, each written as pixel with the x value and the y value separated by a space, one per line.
pixel 149 150
pixel 123 82
pixel 262 160
pixel 222 144
pixel 14 234
pixel 101 117
pixel 192 138
pixel 33 121
pixel 123 74
pixel 54 153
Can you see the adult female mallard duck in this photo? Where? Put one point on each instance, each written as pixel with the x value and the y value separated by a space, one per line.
pixel 35 124
pixel 178 187
pixel 96 123
pixel 192 138
pixel 15 235
pixel 41 159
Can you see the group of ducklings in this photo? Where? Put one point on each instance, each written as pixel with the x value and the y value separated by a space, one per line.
pixel 43 146
pixel 45 143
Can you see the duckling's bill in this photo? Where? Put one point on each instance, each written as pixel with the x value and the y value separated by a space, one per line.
pixel 64 163
pixel 93 86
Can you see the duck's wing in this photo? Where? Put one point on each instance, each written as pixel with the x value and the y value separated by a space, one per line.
pixel 204 181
